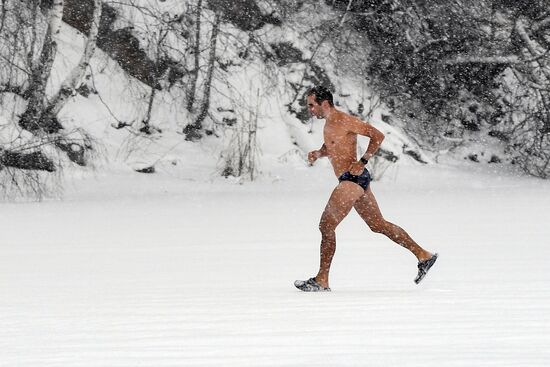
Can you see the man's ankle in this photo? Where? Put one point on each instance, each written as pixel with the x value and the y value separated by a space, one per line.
pixel 425 256
pixel 322 281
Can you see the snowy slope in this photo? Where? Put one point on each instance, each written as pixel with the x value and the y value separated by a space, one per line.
pixel 250 88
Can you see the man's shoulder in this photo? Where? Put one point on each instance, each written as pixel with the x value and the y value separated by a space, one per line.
pixel 341 116
pixel 346 116
pixel 349 121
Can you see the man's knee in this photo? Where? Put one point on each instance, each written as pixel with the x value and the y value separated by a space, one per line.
pixel 326 227
pixel 379 227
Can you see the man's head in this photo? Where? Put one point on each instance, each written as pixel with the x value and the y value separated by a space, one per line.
pixel 319 101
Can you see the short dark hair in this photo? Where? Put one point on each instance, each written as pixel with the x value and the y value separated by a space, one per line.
pixel 321 94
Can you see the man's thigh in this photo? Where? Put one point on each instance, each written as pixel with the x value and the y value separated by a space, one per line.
pixel 367 208
pixel 341 201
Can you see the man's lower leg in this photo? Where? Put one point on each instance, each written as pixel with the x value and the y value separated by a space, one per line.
pixel 399 236
pixel 328 247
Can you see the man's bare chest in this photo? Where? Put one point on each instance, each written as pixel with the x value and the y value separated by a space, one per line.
pixel 335 136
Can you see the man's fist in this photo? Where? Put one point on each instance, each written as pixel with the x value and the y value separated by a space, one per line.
pixel 313 156
pixel 356 168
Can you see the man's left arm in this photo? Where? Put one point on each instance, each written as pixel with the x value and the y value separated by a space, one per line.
pixel 375 136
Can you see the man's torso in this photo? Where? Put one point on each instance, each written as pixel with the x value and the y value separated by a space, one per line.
pixel 341 144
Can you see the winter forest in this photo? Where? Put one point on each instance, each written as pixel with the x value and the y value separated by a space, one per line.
pixel 157 202
pixel 468 76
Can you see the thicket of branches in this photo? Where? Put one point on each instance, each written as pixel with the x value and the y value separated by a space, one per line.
pixel 33 140
pixel 203 42
pixel 176 53
pixel 451 66
pixel 447 67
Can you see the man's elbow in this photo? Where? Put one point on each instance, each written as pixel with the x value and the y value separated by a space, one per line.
pixel 380 137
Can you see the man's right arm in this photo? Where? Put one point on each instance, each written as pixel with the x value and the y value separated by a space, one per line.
pixel 323 151
pixel 316 154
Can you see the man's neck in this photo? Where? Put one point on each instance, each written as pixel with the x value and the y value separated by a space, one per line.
pixel 330 112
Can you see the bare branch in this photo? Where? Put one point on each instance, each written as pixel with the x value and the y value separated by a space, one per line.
pixel 348 8
pixel 533 48
pixel 512 59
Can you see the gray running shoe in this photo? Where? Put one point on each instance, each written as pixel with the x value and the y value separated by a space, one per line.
pixel 423 267
pixel 310 285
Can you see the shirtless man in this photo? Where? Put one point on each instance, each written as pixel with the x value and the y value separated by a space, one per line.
pixel 353 191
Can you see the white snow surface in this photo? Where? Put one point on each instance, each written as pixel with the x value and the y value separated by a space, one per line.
pixel 165 270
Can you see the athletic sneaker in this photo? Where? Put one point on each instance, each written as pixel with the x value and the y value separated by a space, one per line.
pixel 423 267
pixel 310 285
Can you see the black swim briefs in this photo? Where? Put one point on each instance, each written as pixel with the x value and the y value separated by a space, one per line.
pixel 362 180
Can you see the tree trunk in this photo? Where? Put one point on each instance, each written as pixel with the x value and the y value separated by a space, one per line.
pixel 3 15
pixel 146 128
pixel 205 105
pixel 30 55
pixel 191 88
pixel 74 79
pixel 40 73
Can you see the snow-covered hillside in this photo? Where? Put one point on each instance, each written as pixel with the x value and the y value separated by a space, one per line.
pixel 250 90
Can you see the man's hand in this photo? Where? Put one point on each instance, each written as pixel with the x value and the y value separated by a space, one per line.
pixel 313 156
pixel 356 168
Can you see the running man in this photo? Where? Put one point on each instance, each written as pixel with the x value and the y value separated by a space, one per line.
pixel 353 191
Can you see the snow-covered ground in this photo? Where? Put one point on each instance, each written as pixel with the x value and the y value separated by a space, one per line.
pixel 165 270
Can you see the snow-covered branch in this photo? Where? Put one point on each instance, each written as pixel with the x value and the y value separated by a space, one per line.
pixel 348 8
pixel 534 48
pixel 427 44
pixel 541 25
pixel 512 59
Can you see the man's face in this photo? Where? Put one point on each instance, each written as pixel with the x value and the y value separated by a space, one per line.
pixel 314 108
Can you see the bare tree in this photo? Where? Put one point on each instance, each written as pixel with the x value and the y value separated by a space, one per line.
pixel 27 159
pixel 205 102
pixel 40 72
pixel 74 79
pixel 25 163
pixel 193 130
pixel 161 36
pixel 192 84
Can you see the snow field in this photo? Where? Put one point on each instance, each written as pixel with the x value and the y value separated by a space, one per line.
pixel 180 273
